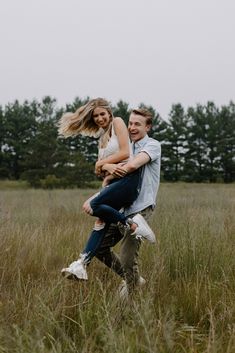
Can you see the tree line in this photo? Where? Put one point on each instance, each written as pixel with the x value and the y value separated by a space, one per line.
pixel 197 144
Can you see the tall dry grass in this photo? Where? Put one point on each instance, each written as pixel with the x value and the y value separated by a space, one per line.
pixel 187 305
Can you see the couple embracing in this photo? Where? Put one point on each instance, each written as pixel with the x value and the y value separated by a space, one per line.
pixel 129 163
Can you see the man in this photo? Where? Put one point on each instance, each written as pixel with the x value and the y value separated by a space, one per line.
pixel 147 154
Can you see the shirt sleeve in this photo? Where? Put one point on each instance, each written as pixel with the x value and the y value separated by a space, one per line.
pixel 153 149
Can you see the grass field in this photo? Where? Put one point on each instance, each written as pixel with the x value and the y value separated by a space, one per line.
pixel 187 305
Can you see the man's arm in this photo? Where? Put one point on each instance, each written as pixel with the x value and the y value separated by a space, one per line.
pixel 120 170
pixel 136 162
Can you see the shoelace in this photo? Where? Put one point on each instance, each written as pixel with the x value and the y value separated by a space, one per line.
pixel 139 237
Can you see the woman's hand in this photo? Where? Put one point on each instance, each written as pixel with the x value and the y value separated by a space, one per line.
pixel 98 168
pixel 87 207
pixel 87 204
pixel 107 180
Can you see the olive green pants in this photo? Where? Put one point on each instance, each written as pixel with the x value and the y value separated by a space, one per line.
pixel 125 265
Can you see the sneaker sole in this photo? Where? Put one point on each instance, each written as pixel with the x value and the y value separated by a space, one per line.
pixel 72 276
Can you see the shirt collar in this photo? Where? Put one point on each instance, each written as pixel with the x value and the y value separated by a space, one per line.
pixel 140 143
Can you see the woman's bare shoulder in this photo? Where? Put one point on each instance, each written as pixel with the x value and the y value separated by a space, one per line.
pixel 118 121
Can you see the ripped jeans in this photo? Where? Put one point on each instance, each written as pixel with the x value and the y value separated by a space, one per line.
pixel 106 205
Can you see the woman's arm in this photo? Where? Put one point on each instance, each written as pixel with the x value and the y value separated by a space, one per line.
pixel 107 180
pixel 123 140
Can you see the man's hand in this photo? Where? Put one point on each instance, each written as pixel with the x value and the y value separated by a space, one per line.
pixel 117 170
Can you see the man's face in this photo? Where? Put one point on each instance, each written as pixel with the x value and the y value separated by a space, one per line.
pixel 137 127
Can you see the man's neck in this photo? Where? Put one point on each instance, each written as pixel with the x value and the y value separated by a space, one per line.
pixel 140 139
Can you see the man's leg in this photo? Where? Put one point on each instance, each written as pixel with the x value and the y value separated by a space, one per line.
pixel 127 265
pixel 105 254
pixel 129 259
pixel 129 255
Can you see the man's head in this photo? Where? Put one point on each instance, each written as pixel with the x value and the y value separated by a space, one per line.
pixel 140 122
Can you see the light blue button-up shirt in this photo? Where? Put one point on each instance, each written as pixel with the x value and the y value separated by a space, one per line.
pixel 150 176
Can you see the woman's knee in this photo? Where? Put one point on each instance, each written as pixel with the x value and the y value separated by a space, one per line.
pixel 98 209
pixel 99 224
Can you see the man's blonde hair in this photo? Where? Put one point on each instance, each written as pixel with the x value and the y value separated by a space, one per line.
pixel 81 122
pixel 145 113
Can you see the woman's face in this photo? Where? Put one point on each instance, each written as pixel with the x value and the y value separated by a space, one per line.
pixel 101 117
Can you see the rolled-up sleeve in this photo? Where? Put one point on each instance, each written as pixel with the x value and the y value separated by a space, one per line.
pixel 153 149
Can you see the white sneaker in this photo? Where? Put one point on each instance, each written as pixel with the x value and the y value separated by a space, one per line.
pixel 76 270
pixel 141 281
pixel 123 290
pixel 143 230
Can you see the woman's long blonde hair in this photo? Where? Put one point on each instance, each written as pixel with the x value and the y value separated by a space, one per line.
pixel 81 122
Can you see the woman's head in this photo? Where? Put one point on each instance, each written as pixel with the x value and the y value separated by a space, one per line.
pixel 87 120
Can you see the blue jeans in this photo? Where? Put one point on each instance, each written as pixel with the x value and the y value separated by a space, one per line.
pixel 120 193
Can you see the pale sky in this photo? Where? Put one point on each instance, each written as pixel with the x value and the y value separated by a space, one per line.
pixel 158 52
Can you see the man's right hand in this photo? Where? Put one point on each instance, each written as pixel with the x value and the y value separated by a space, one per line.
pixel 117 170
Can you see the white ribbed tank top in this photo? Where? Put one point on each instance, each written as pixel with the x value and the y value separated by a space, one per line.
pixel 111 147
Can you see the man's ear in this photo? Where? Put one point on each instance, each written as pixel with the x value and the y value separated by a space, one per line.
pixel 148 127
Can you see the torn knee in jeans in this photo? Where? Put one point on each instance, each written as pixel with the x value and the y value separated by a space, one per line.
pixel 99 224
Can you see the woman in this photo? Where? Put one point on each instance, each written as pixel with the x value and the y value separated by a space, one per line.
pixel 96 119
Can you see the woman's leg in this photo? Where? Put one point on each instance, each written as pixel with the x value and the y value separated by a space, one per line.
pixel 77 269
pixel 110 195
pixel 112 198
pixel 94 241
pixel 106 205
